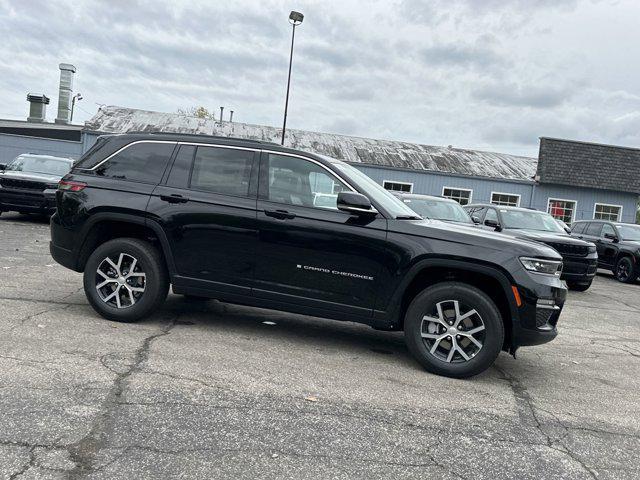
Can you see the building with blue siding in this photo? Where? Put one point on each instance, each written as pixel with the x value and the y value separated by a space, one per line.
pixel 571 180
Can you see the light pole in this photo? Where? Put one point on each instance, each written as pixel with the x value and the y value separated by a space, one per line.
pixel 76 98
pixel 295 19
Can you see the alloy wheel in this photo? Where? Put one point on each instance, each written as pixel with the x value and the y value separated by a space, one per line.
pixel 623 271
pixel 453 332
pixel 120 283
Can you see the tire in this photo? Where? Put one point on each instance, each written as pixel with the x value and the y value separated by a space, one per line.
pixel 422 318
pixel 139 291
pixel 579 287
pixel 625 271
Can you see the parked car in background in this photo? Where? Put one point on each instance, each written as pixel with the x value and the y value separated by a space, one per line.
pixel 579 257
pixel 618 246
pixel 436 208
pixel 28 183
pixel 241 221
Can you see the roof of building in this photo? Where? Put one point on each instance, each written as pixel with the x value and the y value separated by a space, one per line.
pixel 383 153
pixel 591 165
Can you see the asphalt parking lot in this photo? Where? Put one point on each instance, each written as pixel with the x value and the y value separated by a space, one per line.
pixel 211 390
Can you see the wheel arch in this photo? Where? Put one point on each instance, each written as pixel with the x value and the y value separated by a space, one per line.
pixel 105 226
pixel 492 280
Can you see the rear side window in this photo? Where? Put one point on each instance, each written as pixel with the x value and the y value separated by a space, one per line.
pixel 140 162
pixel 578 228
pixel 222 170
pixel 593 229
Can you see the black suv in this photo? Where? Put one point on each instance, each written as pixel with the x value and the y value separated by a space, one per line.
pixel 579 257
pixel 618 246
pixel 258 224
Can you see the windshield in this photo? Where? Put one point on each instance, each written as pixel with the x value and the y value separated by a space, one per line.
pixel 438 209
pixel 46 165
pixel 629 232
pixel 379 195
pixel 530 220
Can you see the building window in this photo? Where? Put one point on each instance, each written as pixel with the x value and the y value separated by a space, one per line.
pixel 506 199
pixel 602 211
pixel 460 195
pixel 564 210
pixel 398 186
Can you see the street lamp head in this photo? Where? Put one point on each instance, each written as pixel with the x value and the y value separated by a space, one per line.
pixel 295 18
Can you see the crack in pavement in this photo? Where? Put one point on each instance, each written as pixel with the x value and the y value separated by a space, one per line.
pixel 83 452
pixel 526 406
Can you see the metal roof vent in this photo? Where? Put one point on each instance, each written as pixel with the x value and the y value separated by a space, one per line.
pixel 37 107
pixel 64 95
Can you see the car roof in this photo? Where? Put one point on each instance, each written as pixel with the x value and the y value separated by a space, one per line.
pixel 419 195
pixel 503 207
pixel 221 140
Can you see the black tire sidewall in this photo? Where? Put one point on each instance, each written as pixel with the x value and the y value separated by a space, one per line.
pixel 579 287
pixel 473 297
pixel 156 279
pixel 632 270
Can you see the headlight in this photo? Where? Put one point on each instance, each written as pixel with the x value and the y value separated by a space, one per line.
pixel 592 249
pixel 537 265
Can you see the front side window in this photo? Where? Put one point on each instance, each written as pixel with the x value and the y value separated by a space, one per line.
pixel 139 162
pixel 607 212
pixel 578 228
pixel 222 170
pixel 460 195
pixel 506 199
pixel 294 181
pixel 398 186
pixel 491 215
pixel 562 209
pixel 607 229
pixel 593 229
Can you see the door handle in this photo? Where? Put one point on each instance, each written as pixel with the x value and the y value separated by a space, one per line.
pixel 280 214
pixel 174 198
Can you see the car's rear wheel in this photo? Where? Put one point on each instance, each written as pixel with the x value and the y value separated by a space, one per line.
pixel 454 329
pixel 625 270
pixel 579 286
pixel 125 279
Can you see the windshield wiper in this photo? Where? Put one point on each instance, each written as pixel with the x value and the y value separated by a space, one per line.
pixel 408 217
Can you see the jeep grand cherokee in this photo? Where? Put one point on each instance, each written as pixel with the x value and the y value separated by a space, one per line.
pixel 238 221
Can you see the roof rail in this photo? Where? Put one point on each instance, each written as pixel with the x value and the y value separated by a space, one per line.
pixel 200 135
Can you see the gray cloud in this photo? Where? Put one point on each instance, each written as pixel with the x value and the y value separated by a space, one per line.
pixel 493 74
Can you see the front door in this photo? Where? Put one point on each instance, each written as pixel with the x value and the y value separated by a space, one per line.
pixel 607 248
pixel 310 253
pixel 207 208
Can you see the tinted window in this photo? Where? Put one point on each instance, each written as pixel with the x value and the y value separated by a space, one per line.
pixel 606 228
pixel 222 170
pixel 295 181
pixel 491 215
pixel 141 162
pixel 578 228
pixel 593 229
pixel 181 168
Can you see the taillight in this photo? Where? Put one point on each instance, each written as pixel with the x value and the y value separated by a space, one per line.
pixel 71 186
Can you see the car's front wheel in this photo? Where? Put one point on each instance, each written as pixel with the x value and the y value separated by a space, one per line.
pixel 578 286
pixel 454 329
pixel 625 270
pixel 125 279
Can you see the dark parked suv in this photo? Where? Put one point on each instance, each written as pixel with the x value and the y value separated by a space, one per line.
pixel 240 221
pixel 618 246
pixel 579 257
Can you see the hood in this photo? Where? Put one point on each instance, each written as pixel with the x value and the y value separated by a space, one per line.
pixel 539 236
pixel 471 235
pixel 631 243
pixel 34 177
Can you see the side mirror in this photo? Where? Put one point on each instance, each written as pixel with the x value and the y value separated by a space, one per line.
pixel 493 224
pixel 567 229
pixel 3 166
pixel 475 219
pixel 611 236
pixel 355 203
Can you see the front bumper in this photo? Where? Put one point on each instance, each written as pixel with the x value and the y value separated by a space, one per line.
pixel 25 201
pixel 579 269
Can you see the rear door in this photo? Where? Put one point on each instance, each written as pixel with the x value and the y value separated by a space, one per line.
pixel 207 207
pixel 310 253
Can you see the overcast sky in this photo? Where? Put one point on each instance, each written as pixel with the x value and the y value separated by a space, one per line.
pixel 485 74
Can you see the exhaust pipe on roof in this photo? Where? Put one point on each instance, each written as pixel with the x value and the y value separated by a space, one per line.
pixel 65 92
pixel 221 117
pixel 37 107
pixel 231 116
